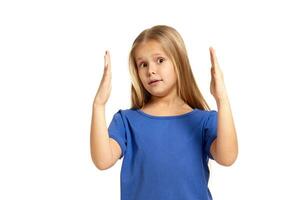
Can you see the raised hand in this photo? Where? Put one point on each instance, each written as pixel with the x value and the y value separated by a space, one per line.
pixel 104 89
pixel 224 148
pixel 217 85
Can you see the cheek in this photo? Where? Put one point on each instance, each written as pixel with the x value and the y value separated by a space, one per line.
pixel 140 75
pixel 143 79
pixel 169 73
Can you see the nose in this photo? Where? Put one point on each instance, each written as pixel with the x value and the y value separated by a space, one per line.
pixel 151 69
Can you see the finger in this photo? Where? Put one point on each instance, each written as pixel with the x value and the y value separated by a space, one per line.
pixel 212 71
pixel 211 56
pixel 108 60
pixel 213 65
pixel 214 57
pixel 105 59
pixel 105 65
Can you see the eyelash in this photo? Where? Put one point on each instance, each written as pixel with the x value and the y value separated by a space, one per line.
pixel 157 59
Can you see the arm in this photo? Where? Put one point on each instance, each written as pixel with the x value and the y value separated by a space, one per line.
pixel 224 149
pixel 104 150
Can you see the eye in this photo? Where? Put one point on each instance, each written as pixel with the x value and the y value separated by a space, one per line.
pixel 141 64
pixel 161 60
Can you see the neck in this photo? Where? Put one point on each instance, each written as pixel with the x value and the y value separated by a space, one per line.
pixel 166 101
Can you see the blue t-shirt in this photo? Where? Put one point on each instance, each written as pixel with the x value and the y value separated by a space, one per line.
pixel 165 157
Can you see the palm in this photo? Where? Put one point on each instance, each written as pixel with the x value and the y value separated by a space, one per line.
pixel 104 89
pixel 217 86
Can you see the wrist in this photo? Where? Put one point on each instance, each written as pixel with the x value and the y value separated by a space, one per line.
pixel 222 101
pixel 98 106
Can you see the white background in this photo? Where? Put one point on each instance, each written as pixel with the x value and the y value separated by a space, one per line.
pixel 51 59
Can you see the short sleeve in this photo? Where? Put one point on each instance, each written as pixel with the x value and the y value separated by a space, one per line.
pixel 210 131
pixel 117 131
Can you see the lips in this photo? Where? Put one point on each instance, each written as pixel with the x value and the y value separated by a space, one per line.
pixel 153 81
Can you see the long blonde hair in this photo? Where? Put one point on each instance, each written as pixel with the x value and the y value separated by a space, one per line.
pixel 173 45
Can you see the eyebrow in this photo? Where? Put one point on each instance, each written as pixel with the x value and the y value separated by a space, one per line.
pixel 155 54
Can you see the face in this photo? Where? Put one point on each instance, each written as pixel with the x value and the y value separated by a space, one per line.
pixel 154 65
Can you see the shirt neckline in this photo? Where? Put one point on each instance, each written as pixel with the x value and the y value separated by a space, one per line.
pixel 166 117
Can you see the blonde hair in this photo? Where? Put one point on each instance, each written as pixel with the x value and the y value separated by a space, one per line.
pixel 173 45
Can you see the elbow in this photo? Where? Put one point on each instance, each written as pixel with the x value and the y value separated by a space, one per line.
pixel 102 166
pixel 229 161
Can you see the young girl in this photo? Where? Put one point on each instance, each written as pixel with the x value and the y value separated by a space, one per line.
pixel 169 133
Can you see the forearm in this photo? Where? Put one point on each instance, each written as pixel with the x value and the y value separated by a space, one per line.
pixel 99 139
pixel 226 144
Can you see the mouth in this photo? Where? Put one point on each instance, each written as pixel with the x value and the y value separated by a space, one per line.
pixel 154 81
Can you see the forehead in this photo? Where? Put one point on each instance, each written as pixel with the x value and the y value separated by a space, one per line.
pixel 148 49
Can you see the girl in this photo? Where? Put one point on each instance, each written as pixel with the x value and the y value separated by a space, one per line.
pixel 169 133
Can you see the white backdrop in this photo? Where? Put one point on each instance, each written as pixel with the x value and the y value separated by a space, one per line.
pixel 51 59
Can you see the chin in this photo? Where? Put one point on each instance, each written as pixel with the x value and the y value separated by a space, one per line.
pixel 158 93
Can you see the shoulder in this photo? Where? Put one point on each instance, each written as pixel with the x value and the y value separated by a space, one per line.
pixel 125 112
pixel 205 113
pixel 205 117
